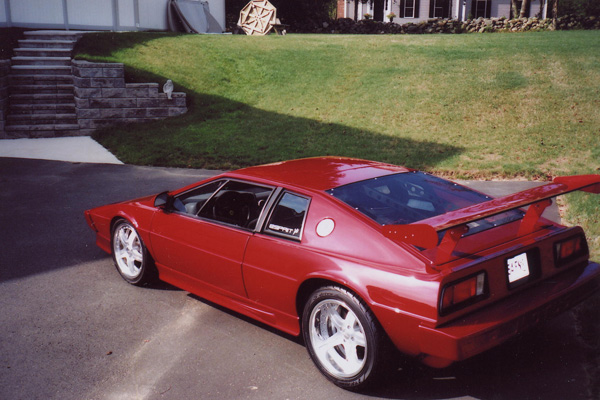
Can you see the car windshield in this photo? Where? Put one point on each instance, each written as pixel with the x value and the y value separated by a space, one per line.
pixel 413 196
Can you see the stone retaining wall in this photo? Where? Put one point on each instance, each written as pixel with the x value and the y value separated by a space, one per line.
pixel 102 98
pixel 4 81
pixel 349 26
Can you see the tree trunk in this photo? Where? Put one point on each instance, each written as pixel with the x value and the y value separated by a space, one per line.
pixel 513 7
pixel 524 9
pixel 554 13
pixel 356 10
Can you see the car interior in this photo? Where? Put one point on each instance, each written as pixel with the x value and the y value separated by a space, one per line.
pixel 232 202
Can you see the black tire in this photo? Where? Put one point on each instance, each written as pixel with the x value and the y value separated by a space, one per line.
pixel 348 346
pixel 130 255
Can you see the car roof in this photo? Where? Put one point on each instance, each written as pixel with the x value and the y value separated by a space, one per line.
pixel 320 173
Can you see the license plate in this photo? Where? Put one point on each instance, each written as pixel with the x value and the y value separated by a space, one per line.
pixel 518 267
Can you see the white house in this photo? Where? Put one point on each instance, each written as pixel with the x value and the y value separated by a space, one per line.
pixel 422 10
pixel 112 15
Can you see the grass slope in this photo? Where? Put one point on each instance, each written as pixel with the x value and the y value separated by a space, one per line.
pixel 490 105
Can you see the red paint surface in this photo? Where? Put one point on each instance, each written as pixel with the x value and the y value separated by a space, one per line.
pixel 266 276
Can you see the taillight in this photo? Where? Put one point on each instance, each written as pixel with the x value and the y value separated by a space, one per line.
pixel 568 250
pixel 463 293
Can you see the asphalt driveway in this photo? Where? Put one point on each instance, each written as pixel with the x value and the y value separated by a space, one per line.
pixel 71 328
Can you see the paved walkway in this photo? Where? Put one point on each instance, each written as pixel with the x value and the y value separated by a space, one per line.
pixel 72 149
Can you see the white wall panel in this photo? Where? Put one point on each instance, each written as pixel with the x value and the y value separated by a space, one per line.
pixel 36 11
pixel 90 13
pixel 97 14
pixel 153 14
pixel 126 13
pixel 3 19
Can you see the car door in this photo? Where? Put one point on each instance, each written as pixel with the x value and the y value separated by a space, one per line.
pixel 275 257
pixel 204 234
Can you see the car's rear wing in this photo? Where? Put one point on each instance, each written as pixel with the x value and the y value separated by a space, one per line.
pixel 425 233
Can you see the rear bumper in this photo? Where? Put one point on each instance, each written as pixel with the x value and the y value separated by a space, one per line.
pixel 493 325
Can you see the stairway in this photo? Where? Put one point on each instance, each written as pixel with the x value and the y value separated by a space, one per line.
pixel 41 101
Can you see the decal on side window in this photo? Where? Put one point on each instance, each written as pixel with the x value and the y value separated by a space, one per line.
pixel 287 218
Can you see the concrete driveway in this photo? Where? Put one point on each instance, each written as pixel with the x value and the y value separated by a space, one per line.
pixel 71 328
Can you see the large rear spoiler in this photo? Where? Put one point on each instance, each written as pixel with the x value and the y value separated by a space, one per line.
pixel 425 233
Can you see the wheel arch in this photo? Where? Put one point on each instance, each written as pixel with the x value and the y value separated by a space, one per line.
pixel 311 284
pixel 133 221
pixel 123 217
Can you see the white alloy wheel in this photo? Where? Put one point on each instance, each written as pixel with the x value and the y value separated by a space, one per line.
pixel 343 338
pixel 338 338
pixel 128 252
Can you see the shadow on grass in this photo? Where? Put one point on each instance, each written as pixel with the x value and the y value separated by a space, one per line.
pixel 224 134
pixel 95 43
pixel 221 133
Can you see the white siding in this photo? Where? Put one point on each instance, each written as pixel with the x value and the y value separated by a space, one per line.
pixel 96 14
pixel 153 14
pixel 126 13
pixel 36 11
pixel 501 8
pixel 3 16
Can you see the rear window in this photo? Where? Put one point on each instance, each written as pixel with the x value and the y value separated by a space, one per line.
pixel 410 197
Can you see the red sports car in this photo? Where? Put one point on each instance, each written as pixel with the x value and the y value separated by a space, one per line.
pixel 356 255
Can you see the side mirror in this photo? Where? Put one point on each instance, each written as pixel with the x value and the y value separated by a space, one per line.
pixel 163 201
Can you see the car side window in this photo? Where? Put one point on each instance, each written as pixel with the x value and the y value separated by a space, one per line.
pixel 288 216
pixel 236 203
pixel 191 202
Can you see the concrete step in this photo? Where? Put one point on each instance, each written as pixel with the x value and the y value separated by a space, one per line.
pixel 42 52
pixel 53 35
pixel 39 131
pixel 25 60
pixel 46 44
pixel 40 70
pixel 41 89
pixel 41 119
pixel 23 79
pixel 36 98
pixel 58 108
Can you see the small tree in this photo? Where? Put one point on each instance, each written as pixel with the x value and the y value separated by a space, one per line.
pixel 524 8
pixel 519 12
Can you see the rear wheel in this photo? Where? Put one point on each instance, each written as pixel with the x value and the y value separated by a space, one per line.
pixel 130 255
pixel 342 337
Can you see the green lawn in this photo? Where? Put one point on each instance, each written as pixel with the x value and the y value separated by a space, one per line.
pixel 477 105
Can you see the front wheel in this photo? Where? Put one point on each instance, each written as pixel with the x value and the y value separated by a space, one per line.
pixel 130 255
pixel 342 337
